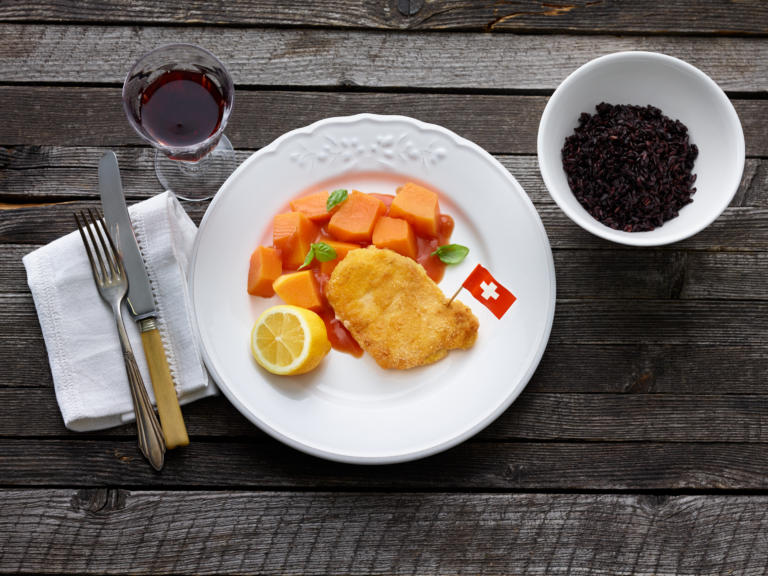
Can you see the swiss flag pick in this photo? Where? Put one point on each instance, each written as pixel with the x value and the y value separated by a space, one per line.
pixel 489 292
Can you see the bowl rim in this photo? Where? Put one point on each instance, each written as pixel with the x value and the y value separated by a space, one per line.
pixel 582 217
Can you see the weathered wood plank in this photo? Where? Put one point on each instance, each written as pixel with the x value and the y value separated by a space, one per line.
pixel 113 530
pixel 632 418
pixel 37 173
pixel 22 352
pixel 661 274
pixel 603 321
pixel 43 224
pixel 499 123
pixel 650 16
pixel 754 184
pixel 737 229
pixel 46 172
pixel 327 58
pixel 13 277
pixel 95 116
pixel 640 369
pixel 654 322
pixel 665 369
pixel 477 465
pixel 582 274
pixel 34 413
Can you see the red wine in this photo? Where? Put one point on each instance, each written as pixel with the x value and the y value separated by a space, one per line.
pixel 181 108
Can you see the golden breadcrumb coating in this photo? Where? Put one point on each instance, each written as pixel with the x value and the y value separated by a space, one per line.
pixel 395 311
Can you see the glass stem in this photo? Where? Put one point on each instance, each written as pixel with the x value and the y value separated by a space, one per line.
pixel 194 169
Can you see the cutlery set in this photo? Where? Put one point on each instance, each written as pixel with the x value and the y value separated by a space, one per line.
pixel 121 275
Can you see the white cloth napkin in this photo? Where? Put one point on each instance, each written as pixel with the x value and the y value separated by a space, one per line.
pixel 79 329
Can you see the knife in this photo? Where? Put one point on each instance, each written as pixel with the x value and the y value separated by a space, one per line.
pixel 141 303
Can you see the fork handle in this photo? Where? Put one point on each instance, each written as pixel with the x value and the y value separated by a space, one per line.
pixel 150 434
pixel 168 408
pixel 151 441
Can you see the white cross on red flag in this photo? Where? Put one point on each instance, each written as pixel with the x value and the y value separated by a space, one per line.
pixel 489 291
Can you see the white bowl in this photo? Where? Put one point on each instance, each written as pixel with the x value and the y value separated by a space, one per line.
pixel 682 92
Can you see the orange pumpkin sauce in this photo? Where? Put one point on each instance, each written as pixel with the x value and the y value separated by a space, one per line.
pixel 339 336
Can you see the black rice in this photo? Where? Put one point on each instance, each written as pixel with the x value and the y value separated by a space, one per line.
pixel 630 166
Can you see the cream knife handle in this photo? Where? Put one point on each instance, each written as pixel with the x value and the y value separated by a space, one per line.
pixel 168 408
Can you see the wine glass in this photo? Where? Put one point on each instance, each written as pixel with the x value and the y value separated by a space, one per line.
pixel 179 97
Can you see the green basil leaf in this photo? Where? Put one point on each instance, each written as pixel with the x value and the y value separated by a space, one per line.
pixel 309 258
pixel 451 253
pixel 337 197
pixel 324 252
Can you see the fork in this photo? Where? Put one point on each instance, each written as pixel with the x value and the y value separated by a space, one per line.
pixel 113 286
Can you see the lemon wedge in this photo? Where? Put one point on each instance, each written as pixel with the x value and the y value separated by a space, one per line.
pixel 289 340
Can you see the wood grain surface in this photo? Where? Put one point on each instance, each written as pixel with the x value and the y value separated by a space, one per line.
pixel 357 60
pixel 610 369
pixel 638 417
pixel 748 17
pixel 479 466
pixel 502 124
pixel 240 532
pixel 636 448
pixel 36 174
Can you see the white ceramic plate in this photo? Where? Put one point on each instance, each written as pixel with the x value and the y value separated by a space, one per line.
pixel 349 409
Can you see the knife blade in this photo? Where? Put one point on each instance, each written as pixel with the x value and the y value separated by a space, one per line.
pixel 141 302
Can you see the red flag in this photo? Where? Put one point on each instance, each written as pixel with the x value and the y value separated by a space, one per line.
pixel 489 292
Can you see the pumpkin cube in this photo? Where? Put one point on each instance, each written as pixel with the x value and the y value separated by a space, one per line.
pixel 356 218
pixel 300 289
pixel 266 267
pixel 397 235
pixel 419 207
pixel 293 234
pixel 313 207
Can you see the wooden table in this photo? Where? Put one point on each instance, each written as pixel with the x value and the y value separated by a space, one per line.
pixel 638 446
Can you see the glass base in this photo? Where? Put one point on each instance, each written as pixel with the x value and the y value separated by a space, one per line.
pixel 197 181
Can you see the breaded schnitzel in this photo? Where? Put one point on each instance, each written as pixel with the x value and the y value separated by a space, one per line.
pixel 395 311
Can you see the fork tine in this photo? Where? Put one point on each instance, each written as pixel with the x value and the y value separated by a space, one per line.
pixel 115 253
pixel 95 247
pixel 107 253
pixel 88 249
